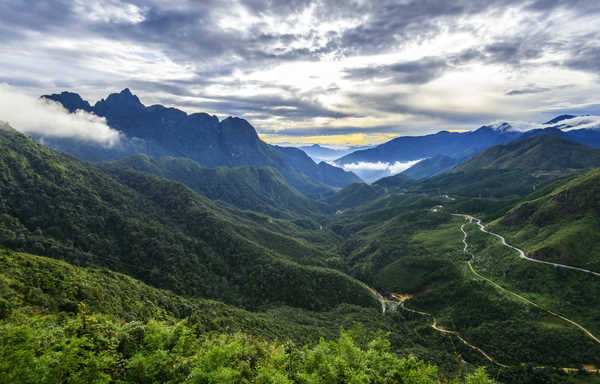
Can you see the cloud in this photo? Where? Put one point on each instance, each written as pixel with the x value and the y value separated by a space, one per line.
pixel 580 122
pixel 373 171
pixel 409 67
pixel 407 72
pixel 109 11
pixel 48 119
pixel 526 91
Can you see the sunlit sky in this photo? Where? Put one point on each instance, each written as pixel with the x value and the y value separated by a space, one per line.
pixel 331 72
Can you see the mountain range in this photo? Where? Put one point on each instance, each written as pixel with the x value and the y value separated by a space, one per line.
pixel 444 150
pixel 160 131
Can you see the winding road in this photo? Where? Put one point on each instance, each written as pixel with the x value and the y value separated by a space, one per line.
pixel 435 326
pixel 522 254
pixel 478 221
pixel 384 302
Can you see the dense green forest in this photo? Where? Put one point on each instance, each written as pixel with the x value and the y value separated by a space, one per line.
pixel 160 232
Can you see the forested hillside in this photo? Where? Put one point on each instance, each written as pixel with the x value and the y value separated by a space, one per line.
pixel 256 189
pixel 159 231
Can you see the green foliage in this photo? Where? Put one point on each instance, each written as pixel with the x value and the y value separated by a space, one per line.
pixel 257 189
pixel 560 223
pixel 91 348
pixel 160 232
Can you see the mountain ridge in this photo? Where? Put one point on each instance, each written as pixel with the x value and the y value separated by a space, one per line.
pixel 162 131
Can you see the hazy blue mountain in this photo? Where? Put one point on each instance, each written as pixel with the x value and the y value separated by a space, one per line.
pixel 320 153
pixel 408 148
pixel 71 101
pixel 581 129
pixel 559 118
pixel 433 166
pixel 160 131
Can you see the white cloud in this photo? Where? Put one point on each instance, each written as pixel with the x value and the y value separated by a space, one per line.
pixel 109 11
pixel 45 118
pixel 370 172
pixel 580 122
pixel 393 168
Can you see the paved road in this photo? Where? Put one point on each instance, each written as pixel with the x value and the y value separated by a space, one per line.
pixel 522 254
pixel 462 228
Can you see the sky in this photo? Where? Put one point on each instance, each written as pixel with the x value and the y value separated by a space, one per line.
pixel 332 72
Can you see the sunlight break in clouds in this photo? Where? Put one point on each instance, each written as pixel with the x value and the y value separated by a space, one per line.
pixel 45 118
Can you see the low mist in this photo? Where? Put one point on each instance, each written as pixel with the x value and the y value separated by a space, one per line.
pixel 371 172
pixel 49 119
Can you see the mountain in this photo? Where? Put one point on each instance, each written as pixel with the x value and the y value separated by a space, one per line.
pixel 514 169
pixel 160 232
pixel 453 144
pixel 321 153
pixel 397 181
pixel 581 129
pixel 354 195
pixel 322 172
pixel 560 223
pixel 559 119
pixel 536 154
pixel 432 166
pixel 257 189
pixel 71 101
pixel 160 131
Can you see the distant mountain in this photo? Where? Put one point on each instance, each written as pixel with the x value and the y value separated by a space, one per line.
pixel 537 153
pixel 432 166
pixel 559 118
pixel 515 168
pixel 322 172
pixel 160 131
pixel 452 144
pixel 257 189
pixel 320 153
pixel 581 129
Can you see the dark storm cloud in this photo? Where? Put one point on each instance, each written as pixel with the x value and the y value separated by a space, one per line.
pixel 408 72
pixel 586 58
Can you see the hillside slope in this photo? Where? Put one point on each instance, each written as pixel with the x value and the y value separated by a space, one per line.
pixel 158 231
pixel 560 224
pixel 257 189
pixel 515 168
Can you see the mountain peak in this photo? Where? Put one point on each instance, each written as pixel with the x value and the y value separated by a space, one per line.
pixel 123 101
pixel 558 119
pixel 70 100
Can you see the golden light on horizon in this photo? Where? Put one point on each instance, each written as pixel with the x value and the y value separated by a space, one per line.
pixel 342 139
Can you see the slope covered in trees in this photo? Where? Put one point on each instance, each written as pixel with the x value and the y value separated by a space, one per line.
pixel 257 189
pixel 560 223
pixel 159 231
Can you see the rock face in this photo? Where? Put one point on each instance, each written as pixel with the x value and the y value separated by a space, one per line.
pixel 158 131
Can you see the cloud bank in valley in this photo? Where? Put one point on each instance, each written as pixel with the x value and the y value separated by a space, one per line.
pixel 370 172
pixel 48 119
